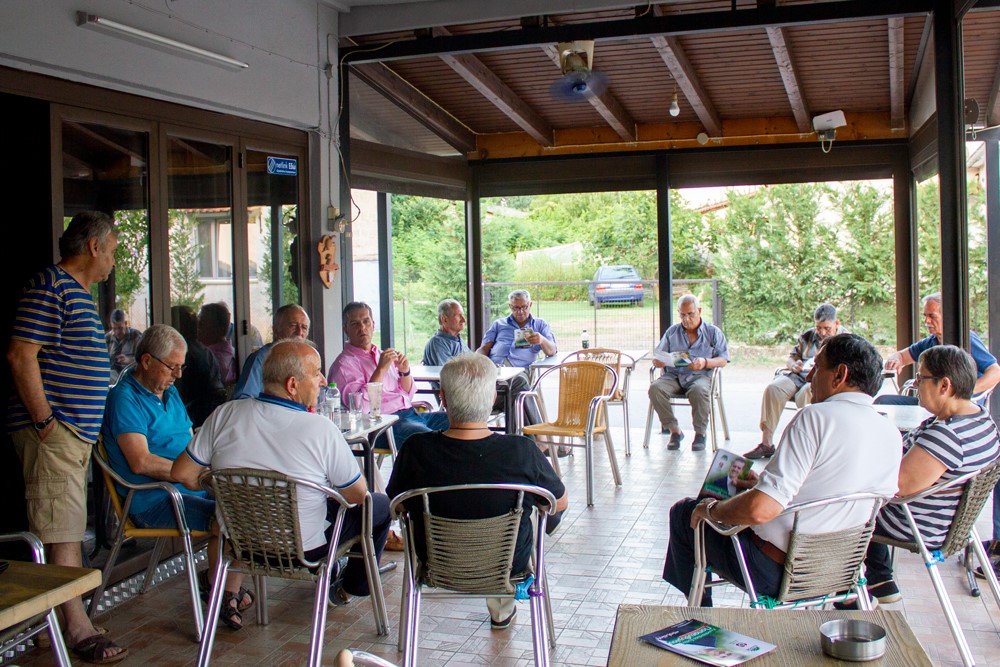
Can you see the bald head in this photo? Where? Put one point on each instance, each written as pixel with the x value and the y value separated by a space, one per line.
pixel 293 370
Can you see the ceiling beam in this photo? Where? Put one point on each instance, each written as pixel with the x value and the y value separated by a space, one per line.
pixel 918 63
pixel 835 11
pixel 897 100
pixel 400 92
pixel 993 106
pixel 606 104
pixel 681 70
pixel 498 93
pixel 786 66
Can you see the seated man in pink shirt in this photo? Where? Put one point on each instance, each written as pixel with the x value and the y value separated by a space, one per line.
pixel 362 362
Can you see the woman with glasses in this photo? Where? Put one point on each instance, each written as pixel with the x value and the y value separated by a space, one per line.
pixel 960 437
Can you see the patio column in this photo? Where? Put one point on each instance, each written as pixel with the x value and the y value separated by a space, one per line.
pixel 949 94
pixel 903 205
pixel 992 146
pixel 663 247
pixel 475 315
pixel 385 295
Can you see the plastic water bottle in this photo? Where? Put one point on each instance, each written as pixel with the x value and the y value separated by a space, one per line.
pixel 333 401
pixel 585 340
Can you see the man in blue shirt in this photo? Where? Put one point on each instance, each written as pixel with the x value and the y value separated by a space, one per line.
pixel 290 321
pixel 687 352
pixel 518 338
pixel 987 369
pixel 447 342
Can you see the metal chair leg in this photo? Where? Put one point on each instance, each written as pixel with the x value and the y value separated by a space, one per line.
pixel 154 560
pixel 214 605
pixel 588 441
pixel 320 604
pixel 649 426
pixel 628 435
pixel 615 473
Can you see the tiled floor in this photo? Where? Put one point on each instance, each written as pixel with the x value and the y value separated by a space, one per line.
pixel 599 558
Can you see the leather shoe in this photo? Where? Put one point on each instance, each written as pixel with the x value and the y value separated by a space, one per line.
pixel 675 441
pixel 761 451
pixel 698 444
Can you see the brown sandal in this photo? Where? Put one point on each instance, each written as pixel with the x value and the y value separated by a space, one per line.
pixel 230 612
pixel 92 650
pixel 394 542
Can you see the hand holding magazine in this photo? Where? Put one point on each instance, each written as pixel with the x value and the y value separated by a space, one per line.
pixel 672 359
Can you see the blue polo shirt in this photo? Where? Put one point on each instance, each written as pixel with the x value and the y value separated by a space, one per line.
pixel 501 334
pixel 132 408
pixel 980 354
pixel 709 344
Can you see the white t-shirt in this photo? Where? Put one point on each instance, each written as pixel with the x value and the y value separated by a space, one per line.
pixel 834 448
pixel 279 435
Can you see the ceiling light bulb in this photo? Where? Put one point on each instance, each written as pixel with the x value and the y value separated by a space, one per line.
pixel 675 108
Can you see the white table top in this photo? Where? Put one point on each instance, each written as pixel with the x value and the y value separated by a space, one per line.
pixel 433 373
pixel 361 428
pixel 904 417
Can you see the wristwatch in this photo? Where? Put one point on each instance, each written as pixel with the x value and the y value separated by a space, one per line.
pixel 403 375
pixel 709 504
pixel 40 426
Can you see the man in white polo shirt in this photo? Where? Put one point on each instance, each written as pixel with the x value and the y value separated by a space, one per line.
pixel 837 446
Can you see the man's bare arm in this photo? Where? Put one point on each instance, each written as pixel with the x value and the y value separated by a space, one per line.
pixel 485 348
pixel 989 379
pixel 355 493
pixel 135 447
pixel 22 358
pixel 187 471
pixel 750 508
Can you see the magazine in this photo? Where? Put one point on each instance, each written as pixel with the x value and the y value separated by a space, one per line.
pixel 726 468
pixel 707 643
pixel 521 337
pixel 672 359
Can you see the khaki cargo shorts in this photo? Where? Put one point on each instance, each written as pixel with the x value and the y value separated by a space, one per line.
pixel 55 482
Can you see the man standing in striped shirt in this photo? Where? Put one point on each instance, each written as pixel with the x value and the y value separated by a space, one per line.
pixel 61 370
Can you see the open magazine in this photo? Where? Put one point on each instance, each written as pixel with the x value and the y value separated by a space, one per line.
pixel 708 643
pixel 672 359
pixel 720 482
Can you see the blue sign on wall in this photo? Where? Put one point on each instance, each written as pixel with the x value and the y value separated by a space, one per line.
pixel 282 166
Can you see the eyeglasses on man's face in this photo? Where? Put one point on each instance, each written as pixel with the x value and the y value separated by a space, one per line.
pixel 918 378
pixel 173 369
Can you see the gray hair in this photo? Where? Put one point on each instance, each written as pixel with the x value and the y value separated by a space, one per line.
pixel 84 226
pixel 469 383
pixel 935 297
pixel 283 362
pixel 688 298
pixel 447 308
pixel 160 340
pixel 284 310
pixel 825 313
pixel 954 363
pixel 118 315
pixel 356 305
pixel 519 294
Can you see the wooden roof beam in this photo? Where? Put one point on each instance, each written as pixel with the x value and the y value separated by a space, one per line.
pixel 673 55
pixel 426 111
pixel 498 93
pixel 897 99
pixel 610 109
pixel 782 56
pixel 993 107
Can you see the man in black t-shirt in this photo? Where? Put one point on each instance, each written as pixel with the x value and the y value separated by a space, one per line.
pixel 469 453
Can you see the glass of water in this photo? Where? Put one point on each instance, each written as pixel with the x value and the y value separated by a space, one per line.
pixel 375 399
pixel 354 405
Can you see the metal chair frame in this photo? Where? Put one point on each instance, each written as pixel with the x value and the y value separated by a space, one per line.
pixel 417 574
pixel 797 589
pixel 595 423
pixel 962 535
pixel 18 634
pixel 714 397
pixel 127 529
pixel 620 396
pixel 281 527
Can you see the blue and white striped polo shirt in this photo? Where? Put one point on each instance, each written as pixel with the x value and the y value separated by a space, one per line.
pixel 58 314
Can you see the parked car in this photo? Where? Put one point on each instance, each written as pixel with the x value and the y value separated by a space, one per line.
pixel 615 284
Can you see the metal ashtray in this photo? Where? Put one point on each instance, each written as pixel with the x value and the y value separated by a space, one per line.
pixel 854 640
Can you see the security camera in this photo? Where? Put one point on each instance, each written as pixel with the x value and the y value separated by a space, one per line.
pixel 829 121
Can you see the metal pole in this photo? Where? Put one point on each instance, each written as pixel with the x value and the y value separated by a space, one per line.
pixel 905 225
pixel 385 290
pixel 344 131
pixel 476 314
pixel 948 74
pixel 993 258
pixel 663 246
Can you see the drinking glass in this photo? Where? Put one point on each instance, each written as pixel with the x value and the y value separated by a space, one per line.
pixel 375 399
pixel 354 404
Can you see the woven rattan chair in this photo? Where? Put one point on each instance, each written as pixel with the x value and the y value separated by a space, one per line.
pixel 13 636
pixel 472 557
pixel 818 567
pixel 127 529
pixel 976 489
pixel 613 359
pixel 584 389
pixel 715 399
pixel 259 509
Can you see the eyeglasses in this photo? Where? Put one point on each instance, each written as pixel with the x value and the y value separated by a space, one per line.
pixel 521 309
pixel 918 378
pixel 172 369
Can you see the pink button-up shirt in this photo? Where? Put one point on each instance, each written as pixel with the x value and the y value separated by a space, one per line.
pixel 351 370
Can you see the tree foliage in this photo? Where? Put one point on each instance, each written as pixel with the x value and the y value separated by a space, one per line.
pixel 185 276
pixel 132 255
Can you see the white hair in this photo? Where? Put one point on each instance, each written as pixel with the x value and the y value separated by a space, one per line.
pixel 688 298
pixel 469 382
pixel 519 294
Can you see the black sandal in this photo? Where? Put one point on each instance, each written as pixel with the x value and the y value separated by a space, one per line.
pixel 230 612
pixel 246 596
